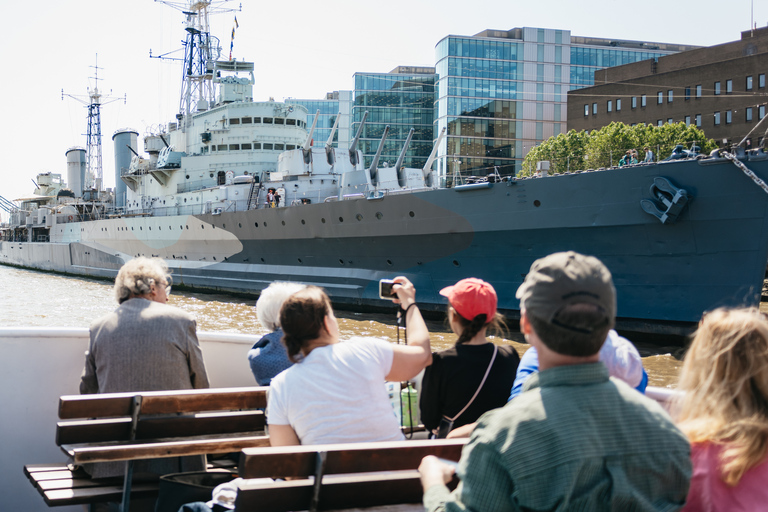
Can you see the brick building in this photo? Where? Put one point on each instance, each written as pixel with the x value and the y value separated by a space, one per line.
pixel 721 89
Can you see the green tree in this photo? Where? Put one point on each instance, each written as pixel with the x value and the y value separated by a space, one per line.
pixel 574 150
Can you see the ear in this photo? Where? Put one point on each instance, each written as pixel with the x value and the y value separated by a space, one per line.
pixel 327 324
pixel 525 324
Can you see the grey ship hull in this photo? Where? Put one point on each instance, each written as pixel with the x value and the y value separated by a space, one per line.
pixel 713 255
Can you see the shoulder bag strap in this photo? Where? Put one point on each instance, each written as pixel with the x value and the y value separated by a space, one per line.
pixel 487 371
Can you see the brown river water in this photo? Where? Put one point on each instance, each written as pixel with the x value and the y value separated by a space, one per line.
pixel 40 299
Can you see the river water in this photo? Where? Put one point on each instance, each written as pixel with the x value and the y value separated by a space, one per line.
pixel 41 299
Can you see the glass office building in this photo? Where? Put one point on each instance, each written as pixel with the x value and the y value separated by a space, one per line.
pixel 499 93
pixel 403 99
pixel 335 103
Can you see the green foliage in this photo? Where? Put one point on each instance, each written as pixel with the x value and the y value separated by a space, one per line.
pixel 575 151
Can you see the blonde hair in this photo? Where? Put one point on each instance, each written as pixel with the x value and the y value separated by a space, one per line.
pixel 137 276
pixel 725 384
pixel 271 300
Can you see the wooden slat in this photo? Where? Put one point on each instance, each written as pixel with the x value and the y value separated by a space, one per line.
pixel 77 483
pixel 109 405
pixel 337 493
pixel 299 461
pixel 119 429
pixel 136 451
pixel 61 497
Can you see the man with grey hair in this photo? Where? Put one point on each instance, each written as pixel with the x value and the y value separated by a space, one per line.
pixel 574 439
pixel 143 345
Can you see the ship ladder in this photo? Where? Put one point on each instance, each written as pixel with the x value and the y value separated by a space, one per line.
pixel 253 192
pixel 738 163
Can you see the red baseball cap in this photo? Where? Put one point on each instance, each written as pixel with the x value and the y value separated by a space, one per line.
pixel 471 297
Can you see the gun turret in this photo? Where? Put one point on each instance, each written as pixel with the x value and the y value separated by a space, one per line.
pixel 427 169
pixel 307 149
pixel 329 154
pixel 373 169
pixel 401 178
pixel 353 147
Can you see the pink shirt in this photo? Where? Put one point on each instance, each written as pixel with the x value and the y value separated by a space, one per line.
pixel 708 493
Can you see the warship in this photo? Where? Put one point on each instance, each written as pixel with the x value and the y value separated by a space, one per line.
pixel 235 194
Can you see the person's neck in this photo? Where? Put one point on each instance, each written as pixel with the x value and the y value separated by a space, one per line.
pixel 553 360
pixel 322 341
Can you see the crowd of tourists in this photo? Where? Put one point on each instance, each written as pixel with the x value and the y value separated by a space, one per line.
pixel 566 428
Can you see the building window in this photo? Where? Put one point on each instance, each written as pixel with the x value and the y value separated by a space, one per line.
pixel 749 83
pixel 698 91
pixel 610 106
pixel 586 109
pixel 659 98
pixel 717 118
pixel 670 120
pixel 634 101
pixel 669 96
pixel 761 111
pixel 748 111
pixel 594 109
pixel 728 86
pixel 660 122
pixel 687 93
pixel 642 100
pixel 687 120
pixel 698 120
pixel 618 105
pixel 728 116
pixel 717 88
pixel 761 81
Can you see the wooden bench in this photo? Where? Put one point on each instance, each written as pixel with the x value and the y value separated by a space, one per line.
pixel 342 475
pixel 147 425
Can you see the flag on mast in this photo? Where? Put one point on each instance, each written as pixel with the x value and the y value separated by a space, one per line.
pixel 232 42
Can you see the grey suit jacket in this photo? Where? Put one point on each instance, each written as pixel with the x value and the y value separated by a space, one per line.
pixel 144 346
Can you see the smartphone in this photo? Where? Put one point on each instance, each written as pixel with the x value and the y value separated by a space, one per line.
pixel 385 289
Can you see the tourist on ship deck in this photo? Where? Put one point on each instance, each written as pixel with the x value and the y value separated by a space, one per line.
pixel 144 345
pixel 575 439
pixel 723 409
pixel 268 356
pixel 475 375
pixel 335 393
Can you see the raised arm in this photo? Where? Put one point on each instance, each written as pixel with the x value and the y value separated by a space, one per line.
pixel 410 359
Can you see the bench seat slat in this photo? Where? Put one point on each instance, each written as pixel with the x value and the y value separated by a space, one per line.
pixel 82 454
pixel 162 402
pixel 119 429
pixel 60 497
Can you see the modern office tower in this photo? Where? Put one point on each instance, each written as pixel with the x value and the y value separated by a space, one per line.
pixel 335 104
pixel 403 99
pixel 499 92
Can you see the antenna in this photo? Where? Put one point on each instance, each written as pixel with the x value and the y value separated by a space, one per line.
pixel 94 172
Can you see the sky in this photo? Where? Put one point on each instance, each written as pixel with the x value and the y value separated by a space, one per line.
pixel 302 49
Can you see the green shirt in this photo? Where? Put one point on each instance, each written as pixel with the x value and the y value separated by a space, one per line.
pixel 575 439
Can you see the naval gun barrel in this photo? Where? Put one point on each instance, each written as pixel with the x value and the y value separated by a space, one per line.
pixel 401 158
pixel 373 169
pixel 353 146
pixel 427 169
pixel 308 143
pixel 329 154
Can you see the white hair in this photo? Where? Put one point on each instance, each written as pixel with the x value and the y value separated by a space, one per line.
pixel 137 276
pixel 271 300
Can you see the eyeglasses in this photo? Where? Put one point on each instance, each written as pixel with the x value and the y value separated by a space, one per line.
pixel 168 290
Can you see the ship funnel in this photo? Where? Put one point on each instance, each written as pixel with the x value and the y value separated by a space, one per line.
pixel 373 169
pixel 353 158
pixel 401 179
pixel 308 144
pixel 427 169
pixel 329 154
pixel 126 142
pixel 76 163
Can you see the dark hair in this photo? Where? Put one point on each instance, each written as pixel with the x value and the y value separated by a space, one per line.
pixel 471 327
pixel 302 318
pixel 576 330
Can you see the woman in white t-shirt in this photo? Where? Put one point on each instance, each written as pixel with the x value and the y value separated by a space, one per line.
pixel 335 393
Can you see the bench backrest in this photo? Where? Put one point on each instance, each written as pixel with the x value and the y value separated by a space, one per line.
pixel 345 475
pixel 117 419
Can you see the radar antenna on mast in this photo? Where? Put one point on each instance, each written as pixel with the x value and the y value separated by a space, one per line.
pixel 94 172
pixel 201 50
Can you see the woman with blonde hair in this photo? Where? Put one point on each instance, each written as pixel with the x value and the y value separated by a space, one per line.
pixel 723 409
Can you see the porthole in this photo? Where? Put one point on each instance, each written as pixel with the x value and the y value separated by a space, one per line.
pixel 223 226
pixel 185 199
pixel 537 203
pixel 303 221
pixel 182 227
pixel 341 219
pixel 214 258
pixel 170 228
pixel 379 215
pixel 210 175
pixel 389 262
pixel 141 229
pixel 239 224
pixel 262 260
pixel 131 228
pixel 283 223
pixel 411 214
pixel 456 263
pixel 299 260
pixel 322 220
pixel 256 224
pixel 150 228
pixel 202 226
pixel 159 228
pixel 359 217
pixel 187 226
pixel 341 261
pixel 265 224
pixel 187 176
